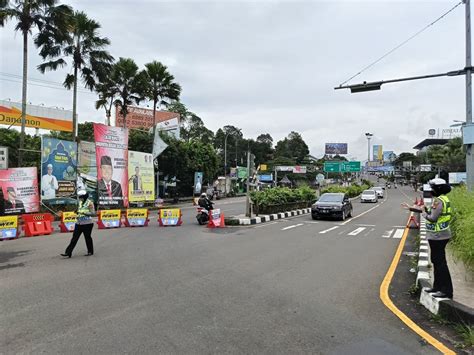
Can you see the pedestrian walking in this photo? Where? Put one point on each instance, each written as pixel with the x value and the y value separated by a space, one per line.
pixel 84 224
pixel 438 217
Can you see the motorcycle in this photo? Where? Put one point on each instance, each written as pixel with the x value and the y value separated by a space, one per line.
pixel 202 216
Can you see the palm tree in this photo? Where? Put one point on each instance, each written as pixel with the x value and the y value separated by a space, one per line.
pixel 30 15
pixel 128 84
pixel 107 92
pixel 159 86
pixel 87 49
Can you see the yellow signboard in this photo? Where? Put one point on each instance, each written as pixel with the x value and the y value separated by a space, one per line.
pixel 170 213
pixel 36 116
pixel 8 227
pixel 110 215
pixel 263 167
pixel 69 217
pixel 141 177
pixel 137 213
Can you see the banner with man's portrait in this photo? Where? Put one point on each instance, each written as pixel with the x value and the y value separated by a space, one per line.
pixel 141 177
pixel 58 170
pixel 19 190
pixel 111 147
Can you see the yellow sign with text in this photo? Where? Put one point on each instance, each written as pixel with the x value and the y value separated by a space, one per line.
pixel 8 222
pixel 170 213
pixel 110 215
pixel 69 217
pixel 137 213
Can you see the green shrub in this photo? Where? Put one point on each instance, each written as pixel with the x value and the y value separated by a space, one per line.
pixel 462 225
pixel 282 196
pixel 351 191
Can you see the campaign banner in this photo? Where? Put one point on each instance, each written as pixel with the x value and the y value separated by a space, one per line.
pixel 111 148
pixel 87 169
pixel 197 182
pixel 20 190
pixel 58 170
pixel 109 218
pixel 170 216
pixel 141 177
pixel 8 227
pixel 137 216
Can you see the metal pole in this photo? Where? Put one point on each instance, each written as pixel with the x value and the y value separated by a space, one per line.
pixel 247 202
pixel 225 165
pixel 469 150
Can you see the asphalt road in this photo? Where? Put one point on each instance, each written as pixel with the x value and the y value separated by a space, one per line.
pixel 290 286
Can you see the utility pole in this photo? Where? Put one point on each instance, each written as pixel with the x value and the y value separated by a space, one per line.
pixel 469 150
pixel 248 212
pixel 225 164
pixel 369 136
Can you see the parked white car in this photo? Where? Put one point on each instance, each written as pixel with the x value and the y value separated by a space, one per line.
pixel 369 196
pixel 379 191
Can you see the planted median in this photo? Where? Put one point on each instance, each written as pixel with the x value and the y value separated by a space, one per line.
pixel 281 199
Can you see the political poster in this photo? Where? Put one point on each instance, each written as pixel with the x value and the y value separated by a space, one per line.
pixel 141 177
pixel 170 217
pixel 336 148
pixel 111 148
pixel 20 190
pixel 87 169
pixel 58 170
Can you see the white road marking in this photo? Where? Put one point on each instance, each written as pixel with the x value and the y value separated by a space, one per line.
pixel 398 234
pixel 328 230
pixel 387 234
pixel 265 224
pixel 312 222
pixel 365 225
pixel 370 231
pixel 357 231
pixel 293 226
pixel 360 215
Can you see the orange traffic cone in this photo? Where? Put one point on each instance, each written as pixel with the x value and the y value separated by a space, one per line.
pixel 412 223
pixel 222 221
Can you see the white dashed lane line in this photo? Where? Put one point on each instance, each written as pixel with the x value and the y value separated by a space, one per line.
pixel 387 234
pixel 293 226
pixel 328 230
pixel 398 234
pixel 357 231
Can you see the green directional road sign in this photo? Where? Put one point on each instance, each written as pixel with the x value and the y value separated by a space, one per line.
pixel 332 166
pixel 342 166
pixel 350 166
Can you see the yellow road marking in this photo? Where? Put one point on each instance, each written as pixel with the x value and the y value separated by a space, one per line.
pixel 404 318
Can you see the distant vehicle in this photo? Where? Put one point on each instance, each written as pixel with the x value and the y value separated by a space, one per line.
pixel 379 191
pixel 332 205
pixel 369 196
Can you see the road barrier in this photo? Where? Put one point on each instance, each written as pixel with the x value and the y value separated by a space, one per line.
pixel 68 222
pixel 37 224
pixel 216 219
pixel 170 217
pixel 109 219
pixel 9 227
pixel 136 217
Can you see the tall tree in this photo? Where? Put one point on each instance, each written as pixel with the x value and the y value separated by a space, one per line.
pixel 87 49
pixel 31 15
pixel 107 92
pixel 159 86
pixel 293 147
pixel 129 85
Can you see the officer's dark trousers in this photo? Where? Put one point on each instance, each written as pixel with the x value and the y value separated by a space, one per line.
pixel 78 230
pixel 442 278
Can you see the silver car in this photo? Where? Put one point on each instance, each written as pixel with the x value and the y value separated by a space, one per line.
pixel 369 196
pixel 379 191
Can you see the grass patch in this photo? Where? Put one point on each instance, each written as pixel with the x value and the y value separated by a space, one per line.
pixel 466 332
pixel 462 225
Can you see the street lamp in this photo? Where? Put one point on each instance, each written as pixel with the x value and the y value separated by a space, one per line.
pixel 369 137
pixel 468 127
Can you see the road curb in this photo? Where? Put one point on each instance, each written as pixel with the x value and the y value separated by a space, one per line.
pixel 445 307
pixel 268 218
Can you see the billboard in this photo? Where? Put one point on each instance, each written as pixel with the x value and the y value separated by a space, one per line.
pixel 141 177
pixel 58 170
pixel 111 149
pixel 170 126
pixel 377 152
pixel 20 190
pixel 87 169
pixel 389 156
pixel 457 178
pixel 336 148
pixel 36 116
pixel 138 117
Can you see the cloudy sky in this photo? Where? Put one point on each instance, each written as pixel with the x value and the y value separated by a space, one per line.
pixel 271 66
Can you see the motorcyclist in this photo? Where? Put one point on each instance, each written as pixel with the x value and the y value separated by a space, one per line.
pixel 204 202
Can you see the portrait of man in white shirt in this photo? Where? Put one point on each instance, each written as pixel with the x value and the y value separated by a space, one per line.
pixel 49 184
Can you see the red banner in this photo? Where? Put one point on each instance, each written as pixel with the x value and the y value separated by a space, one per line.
pixel 111 146
pixel 20 190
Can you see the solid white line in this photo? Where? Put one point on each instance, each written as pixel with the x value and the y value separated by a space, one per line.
pixel 293 226
pixel 387 234
pixel 398 234
pixel 328 230
pixel 360 215
pixel 356 231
